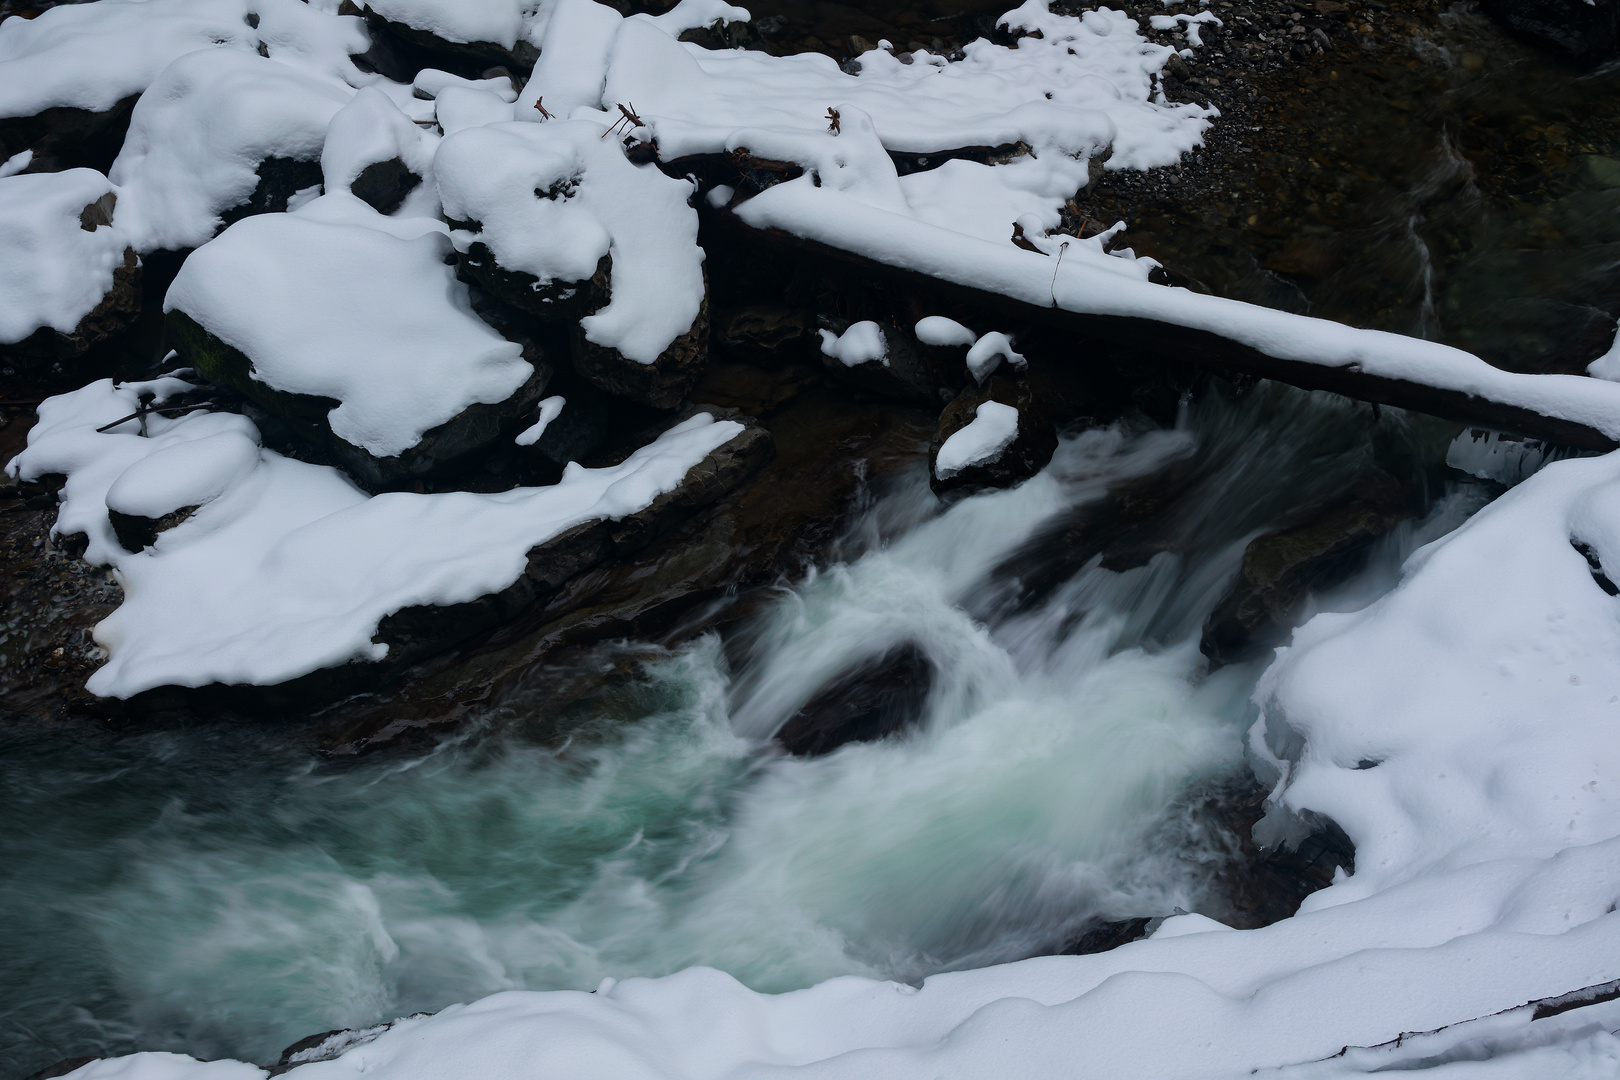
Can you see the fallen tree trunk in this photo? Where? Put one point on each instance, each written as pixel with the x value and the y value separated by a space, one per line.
pixel 1200 346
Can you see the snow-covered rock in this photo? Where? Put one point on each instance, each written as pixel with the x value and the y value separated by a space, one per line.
pixel 375 151
pixel 993 435
pixel 287 568
pixel 360 337
pixel 220 133
pixel 554 218
pixel 67 276
pixel 69 77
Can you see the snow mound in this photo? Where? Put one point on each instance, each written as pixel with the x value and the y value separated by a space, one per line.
pixel 354 313
pixel 289 568
pixel 1086 87
pixel 463 21
pixel 53 269
pixel 552 199
pixel 862 343
pixel 91 56
pixel 993 428
pixel 1472 713
pixel 200 133
pixel 368 130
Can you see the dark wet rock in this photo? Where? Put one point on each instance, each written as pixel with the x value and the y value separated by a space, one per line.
pixel 766 334
pixel 723 35
pixel 400 51
pixel 329 1045
pixel 711 571
pixel 1280 569
pixel 136 532
pixel 661 384
pixel 279 180
pixel 553 301
pixel 1101 935
pixel 383 185
pixel 442 449
pixel 66 138
pixel 755 390
pixel 903 375
pixel 61 1068
pixel 106 322
pixel 1028 453
pixel 878 697
pixel 420 634
pixel 1586 31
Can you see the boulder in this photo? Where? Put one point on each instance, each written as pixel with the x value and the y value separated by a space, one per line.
pixel 994 435
pixel 362 343
pixel 405 39
pixel 70 282
pixel 556 220
pixel 880 358
pixel 67 138
pixel 876 698
pixel 766 334
pixel 1281 568
pixel 374 151
pixel 267 122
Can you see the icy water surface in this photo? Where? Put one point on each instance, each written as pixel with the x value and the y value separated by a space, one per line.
pixel 215 892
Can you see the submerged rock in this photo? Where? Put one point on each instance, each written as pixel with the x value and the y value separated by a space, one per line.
pixel 876 698
pixel 1281 568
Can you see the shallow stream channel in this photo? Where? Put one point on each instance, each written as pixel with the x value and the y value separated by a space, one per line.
pixel 1050 731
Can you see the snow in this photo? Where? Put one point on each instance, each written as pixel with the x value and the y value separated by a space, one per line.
pixel 1607 366
pixel 1469 715
pixel 342 310
pixel 550 409
pixel 862 343
pixel 987 354
pixel 940 331
pixel 370 129
pixel 16 163
pixel 184 474
pixel 993 428
pixel 53 272
pixel 463 21
pixel 199 134
pixel 289 568
pixel 1084 87
pixel 573 59
pixel 91 56
pixel 1077 275
pixel 1460 730
pixel 553 198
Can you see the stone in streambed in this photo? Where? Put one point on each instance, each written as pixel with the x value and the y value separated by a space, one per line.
pixel 555 220
pixel 1281 568
pixel 876 698
pixel 361 342
pixel 70 282
pixel 1023 450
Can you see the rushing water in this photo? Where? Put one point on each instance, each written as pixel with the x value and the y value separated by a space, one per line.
pixel 217 892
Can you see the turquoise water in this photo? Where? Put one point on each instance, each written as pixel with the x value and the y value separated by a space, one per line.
pixel 221 892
